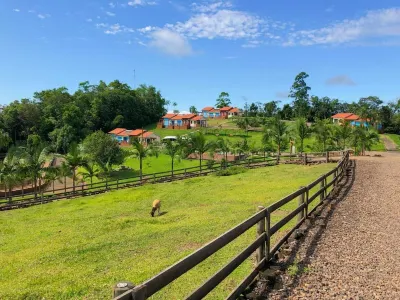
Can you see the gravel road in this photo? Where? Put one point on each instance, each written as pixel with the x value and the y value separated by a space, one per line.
pixel 357 255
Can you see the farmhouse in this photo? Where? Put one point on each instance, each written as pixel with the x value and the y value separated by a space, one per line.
pixel 124 136
pixel 221 113
pixel 354 120
pixel 182 121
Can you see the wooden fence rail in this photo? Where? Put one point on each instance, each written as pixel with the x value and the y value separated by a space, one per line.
pixel 262 245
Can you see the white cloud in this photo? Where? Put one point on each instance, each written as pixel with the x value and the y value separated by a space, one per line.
pixel 340 80
pixel 377 24
pixel 142 44
pixel 43 16
pixel 114 28
pixel 211 6
pixel 31 11
pixel 252 44
pixel 227 24
pixel 89 20
pixel 16 10
pixel 170 42
pixel 330 9
pixel 147 29
pixel 108 13
pixel 141 3
pixel 111 4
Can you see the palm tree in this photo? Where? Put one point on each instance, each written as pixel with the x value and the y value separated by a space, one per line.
pixel 9 172
pixel 90 170
pixel 64 171
pixel 363 139
pixel 140 151
pixel 343 133
pixel 323 132
pixel 5 139
pixel 74 159
pixel 199 144
pixel 224 145
pixel 173 150
pixel 53 174
pixel 277 131
pixel 302 132
pixel 33 162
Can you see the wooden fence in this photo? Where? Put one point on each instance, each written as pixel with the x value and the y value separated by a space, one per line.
pixel 319 189
pixel 28 197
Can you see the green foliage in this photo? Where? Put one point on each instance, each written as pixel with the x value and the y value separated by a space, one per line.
pixel 102 148
pixel 223 100
pixel 302 132
pixel 231 171
pixel 323 132
pixel 72 249
pixel 5 139
pixel 277 133
pixel 299 92
pixel 363 139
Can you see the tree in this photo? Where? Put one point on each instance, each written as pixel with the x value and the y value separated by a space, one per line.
pixel 64 172
pixel 271 108
pixel 323 133
pixel 9 171
pixel 74 159
pixel 5 139
pixel 363 139
pixel 174 104
pixel 51 175
pixel 286 113
pixel 302 132
pixel 34 160
pixel 173 150
pixel 193 109
pixel 199 144
pixel 101 148
pixel 90 170
pixel 223 100
pixel 141 152
pixel 343 134
pixel 224 146
pixel 299 91
pixel 277 131
pixel 243 123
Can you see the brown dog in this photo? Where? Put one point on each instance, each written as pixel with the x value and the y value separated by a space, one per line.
pixel 156 206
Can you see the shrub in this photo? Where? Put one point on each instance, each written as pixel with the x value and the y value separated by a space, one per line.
pixel 231 171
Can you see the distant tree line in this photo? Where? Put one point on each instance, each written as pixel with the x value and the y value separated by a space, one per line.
pixel 314 108
pixel 62 118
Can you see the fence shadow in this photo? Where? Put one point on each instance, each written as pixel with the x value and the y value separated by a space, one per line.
pixel 312 235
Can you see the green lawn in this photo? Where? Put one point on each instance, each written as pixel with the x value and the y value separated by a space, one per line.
pixel 379 146
pixel 77 249
pixel 395 138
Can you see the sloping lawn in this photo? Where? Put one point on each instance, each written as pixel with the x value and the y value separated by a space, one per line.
pixel 395 138
pixel 77 249
pixel 380 146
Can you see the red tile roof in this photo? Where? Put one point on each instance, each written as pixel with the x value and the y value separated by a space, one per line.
pixel 226 108
pixel 117 130
pixel 234 110
pixel 214 111
pixel 169 116
pixel 208 108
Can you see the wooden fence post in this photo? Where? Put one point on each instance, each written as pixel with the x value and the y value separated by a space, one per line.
pixel 305 158
pixel 185 173
pixel 327 156
pixel 121 288
pixel 322 187
pixel 268 232
pixel 117 183
pixel 261 230
pixel 301 199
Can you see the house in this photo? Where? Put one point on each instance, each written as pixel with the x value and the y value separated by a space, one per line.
pixel 124 136
pixel 181 121
pixel 353 120
pixel 222 113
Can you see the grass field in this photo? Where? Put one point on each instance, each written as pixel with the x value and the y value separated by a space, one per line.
pixel 395 138
pixel 379 146
pixel 77 249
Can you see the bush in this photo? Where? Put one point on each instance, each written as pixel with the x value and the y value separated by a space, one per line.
pixel 231 171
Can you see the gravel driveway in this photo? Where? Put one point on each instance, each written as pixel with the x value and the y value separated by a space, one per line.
pixel 357 256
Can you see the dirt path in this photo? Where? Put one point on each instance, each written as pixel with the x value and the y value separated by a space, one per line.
pixel 357 256
pixel 389 144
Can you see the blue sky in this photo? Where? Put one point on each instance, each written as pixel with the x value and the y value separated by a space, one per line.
pixel 192 51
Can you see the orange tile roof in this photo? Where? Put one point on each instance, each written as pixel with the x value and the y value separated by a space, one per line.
pixel 341 116
pixel 226 108
pixel 352 117
pixel 183 117
pixel 198 118
pixel 169 116
pixel 214 111
pixel 136 132
pixel 117 130
pixel 123 133
pixel 149 134
pixel 235 110
pixel 208 108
